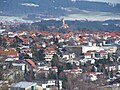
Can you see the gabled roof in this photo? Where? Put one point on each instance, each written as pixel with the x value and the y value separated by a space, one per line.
pixel 88 53
pixel 23 38
pixel 9 52
pixel 31 63
pixel 103 52
pixel 23 84
pixel 49 50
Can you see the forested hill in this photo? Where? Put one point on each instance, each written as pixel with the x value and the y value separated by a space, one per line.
pixel 53 7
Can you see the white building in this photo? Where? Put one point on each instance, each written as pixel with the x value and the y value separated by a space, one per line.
pixel 23 85
pixel 48 85
pixel 110 49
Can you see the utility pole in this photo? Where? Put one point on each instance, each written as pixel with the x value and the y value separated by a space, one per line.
pixel 57 77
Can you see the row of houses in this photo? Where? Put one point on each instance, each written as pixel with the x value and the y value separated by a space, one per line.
pixel 18 49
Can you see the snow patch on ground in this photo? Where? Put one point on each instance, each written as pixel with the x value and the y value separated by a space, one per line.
pixel 12 19
pixel 92 16
pixel 30 4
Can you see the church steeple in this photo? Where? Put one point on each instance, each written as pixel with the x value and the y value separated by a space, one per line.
pixel 64 25
pixel 63 21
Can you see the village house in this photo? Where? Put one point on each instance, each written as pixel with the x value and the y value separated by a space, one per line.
pixel 92 76
pixel 49 52
pixel 103 55
pixel 11 54
pixel 76 62
pixel 111 67
pixel 23 85
pixel 68 56
pixel 74 71
pixel 88 55
pixel 20 66
pixel 50 84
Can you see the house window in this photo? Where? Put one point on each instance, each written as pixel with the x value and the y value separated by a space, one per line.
pixel 32 88
pixel 48 86
pixel 97 55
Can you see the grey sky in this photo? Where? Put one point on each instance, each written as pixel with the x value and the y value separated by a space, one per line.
pixel 110 1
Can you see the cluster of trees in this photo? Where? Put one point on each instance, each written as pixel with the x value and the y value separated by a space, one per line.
pixel 45 25
pixel 76 82
pixel 3 42
pixel 38 54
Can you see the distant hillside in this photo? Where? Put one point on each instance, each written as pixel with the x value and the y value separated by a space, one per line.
pixel 53 7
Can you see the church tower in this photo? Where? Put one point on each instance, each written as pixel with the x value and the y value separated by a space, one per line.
pixel 64 25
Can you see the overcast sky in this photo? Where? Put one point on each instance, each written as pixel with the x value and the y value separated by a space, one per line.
pixel 111 1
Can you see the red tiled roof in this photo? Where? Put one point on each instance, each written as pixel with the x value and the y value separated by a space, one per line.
pixel 8 39
pixel 55 67
pixel 31 62
pixel 49 50
pixel 9 52
pixel 23 39
pixel 88 53
pixel 103 52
